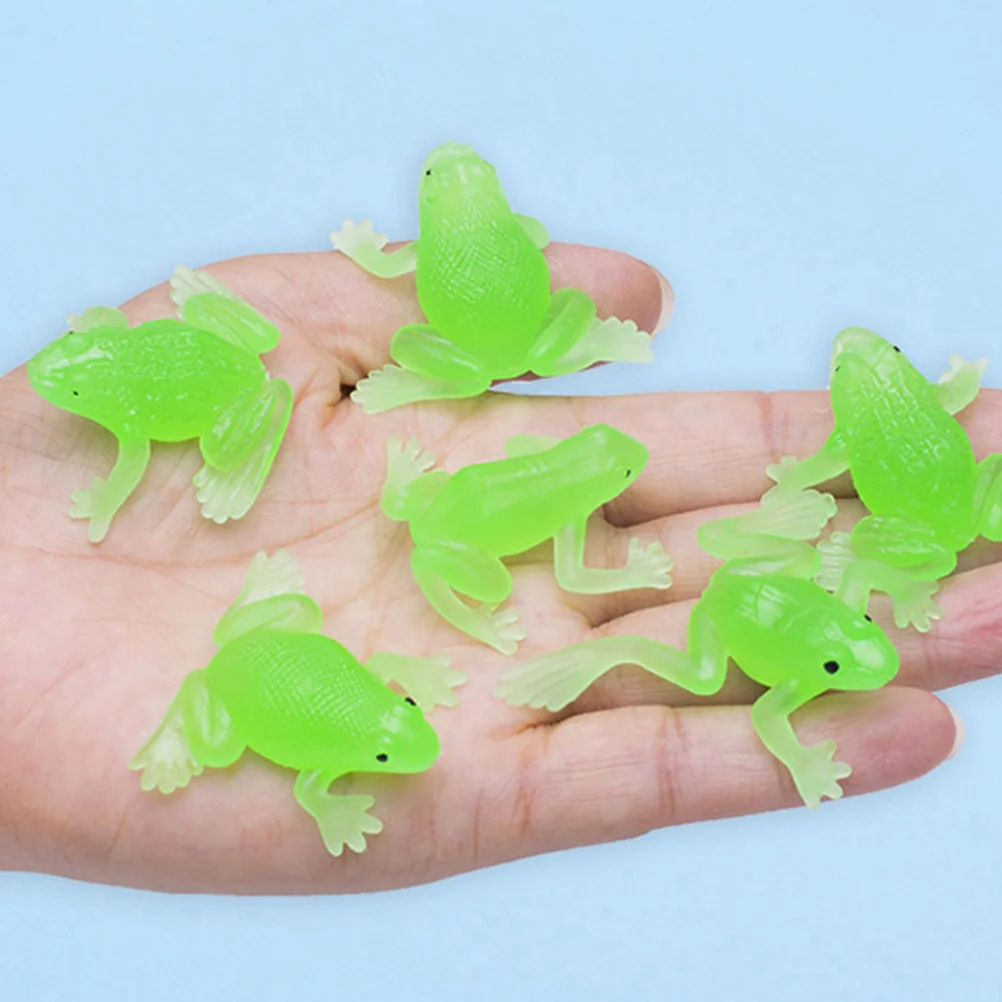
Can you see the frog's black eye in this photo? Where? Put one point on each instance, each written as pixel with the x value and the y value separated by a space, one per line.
pixel 628 473
pixel 831 667
pixel 76 393
pixel 837 367
pixel 868 617
pixel 382 757
pixel 427 173
pixel 896 348
pixel 407 699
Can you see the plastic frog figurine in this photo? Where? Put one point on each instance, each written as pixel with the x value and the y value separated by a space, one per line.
pixel 280 688
pixel 170 381
pixel 762 609
pixel 912 466
pixel 464 523
pixel 484 287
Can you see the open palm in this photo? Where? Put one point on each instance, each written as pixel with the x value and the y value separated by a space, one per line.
pixel 95 640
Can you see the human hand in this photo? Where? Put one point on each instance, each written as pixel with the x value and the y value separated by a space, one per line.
pixel 96 640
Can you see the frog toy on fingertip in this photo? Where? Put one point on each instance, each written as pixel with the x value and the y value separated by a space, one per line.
pixel 484 286
pixel 760 609
pixel 913 468
pixel 301 700
pixel 170 381
pixel 464 523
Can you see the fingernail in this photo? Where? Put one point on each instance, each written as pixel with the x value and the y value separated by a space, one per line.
pixel 958 741
pixel 667 303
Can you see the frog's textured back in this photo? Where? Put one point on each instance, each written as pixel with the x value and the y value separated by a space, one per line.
pixel 483 284
pixel 301 700
pixel 908 456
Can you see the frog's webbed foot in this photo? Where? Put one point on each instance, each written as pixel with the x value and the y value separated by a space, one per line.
pixel 361 243
pixel 553 681
pixel 410 483
pixel 343 820
pixel 959 385
pixel 166 761
pixel 647 566
pixel 914 604
pixel 430 682
pixel 102 502
pixel 229 494
pixel 205 303
pixel 780 472
pixel 796 515
pixel 817 774
pixel 502 629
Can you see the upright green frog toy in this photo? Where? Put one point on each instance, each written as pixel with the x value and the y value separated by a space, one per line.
pixel 463 523
pixel 301 700
pixel 762 609
pixel 484 286
pixel 913 467
pixel 171 381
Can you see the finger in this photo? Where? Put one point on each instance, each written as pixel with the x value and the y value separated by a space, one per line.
pixel 336 311
pixel 618 774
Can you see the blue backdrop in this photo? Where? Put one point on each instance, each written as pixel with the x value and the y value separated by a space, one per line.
pixel 792 171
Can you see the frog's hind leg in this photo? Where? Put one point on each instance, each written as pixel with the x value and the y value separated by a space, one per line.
pixel 207 304
pixel 771 539
pixel 430 367
pixel 272 597
pixel 343 820
pixel 573 338
pixel 440 571
pixel 988 498
pixel 430 682
pixel 102 502
pixel 196 733
pixel 247 444
pixel 553 681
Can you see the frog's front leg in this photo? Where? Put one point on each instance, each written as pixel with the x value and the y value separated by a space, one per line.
pixel 365 247
pixel 534 229
pixel 573 338
pixel 646 566
pixel 442 569
pixel 430 682
pixel 430 367
pixel 411 484
pixel 555 680
pixel 959 385
pixel 343 820
pixel 814 770
pixel 988 498
pixel 791 474
pixel 196 733
pixel 103 500
pixel 240 448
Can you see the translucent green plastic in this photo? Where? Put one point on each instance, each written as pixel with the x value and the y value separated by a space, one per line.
pixel 761 609
pixel 464 523
pixel 301 700
pixel 484 286
pixel 171 381
pixel 913 467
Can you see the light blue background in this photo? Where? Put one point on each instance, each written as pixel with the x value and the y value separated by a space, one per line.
pixel 792 171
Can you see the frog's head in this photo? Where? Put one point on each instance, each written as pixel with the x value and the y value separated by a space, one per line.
pixel 607 461
pixel 849 652
pixel 75 373
pixel 453 176
pixel 403 741
pixel 859 353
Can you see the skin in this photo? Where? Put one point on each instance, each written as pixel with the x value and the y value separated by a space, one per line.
pixel 171 381
pixel 83 689
pixel 484 286
pixel 914 468
pixel 760 609
pixel 463 523
pixel 249 697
